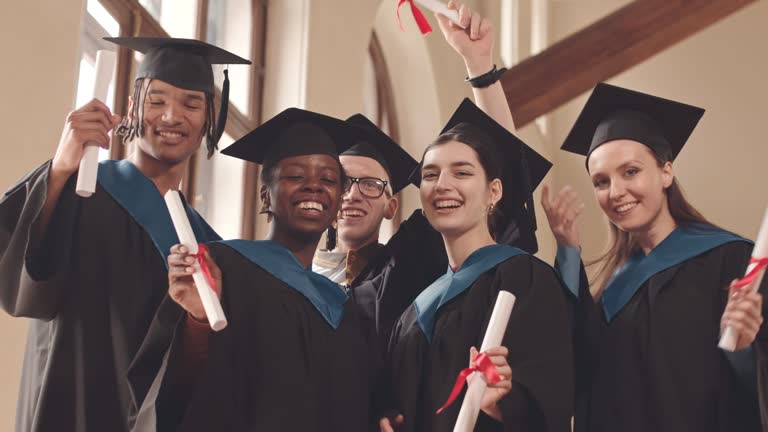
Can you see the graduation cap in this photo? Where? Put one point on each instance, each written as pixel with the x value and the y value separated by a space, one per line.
pixel 295 132
pixel 615 113
pixel 522 170
pixel 184 63
pixel 378 146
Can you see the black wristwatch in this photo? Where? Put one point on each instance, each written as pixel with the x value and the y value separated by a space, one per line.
pixel 486 79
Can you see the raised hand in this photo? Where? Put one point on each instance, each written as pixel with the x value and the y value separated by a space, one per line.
pixel 89 124
pixel 475 42
pixel 562 211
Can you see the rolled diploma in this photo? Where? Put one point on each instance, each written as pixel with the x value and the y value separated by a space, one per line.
pixel 730 336
pixel 437 6
pixel 89 163
pixel 210 301
pixel 497 326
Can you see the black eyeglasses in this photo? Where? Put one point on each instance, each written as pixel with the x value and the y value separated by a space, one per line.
pixel 370 187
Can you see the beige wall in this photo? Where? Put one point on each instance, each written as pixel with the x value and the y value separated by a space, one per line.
pixel 722 69
pixel 39 43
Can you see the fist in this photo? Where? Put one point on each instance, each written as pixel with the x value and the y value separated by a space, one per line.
pixel 87 125
pixel 181 285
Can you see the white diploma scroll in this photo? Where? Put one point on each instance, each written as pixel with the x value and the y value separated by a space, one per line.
pixel 497 326
pixel 89 164
pixel 438 6
pixel 208 296
pixel 730 336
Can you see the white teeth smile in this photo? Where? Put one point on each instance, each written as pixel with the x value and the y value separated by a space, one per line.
pixel 170 134
pixel 626 207
pixel 447 204
pixel 352 212
pixel 310 205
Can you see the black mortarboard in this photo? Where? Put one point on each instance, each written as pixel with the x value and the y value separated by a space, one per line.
pixel 184 63
pixel 522 169
pixel 378 146
pixel 294 132
pixel 614 113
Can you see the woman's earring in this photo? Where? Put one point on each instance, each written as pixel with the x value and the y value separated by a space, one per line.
pixel 491 208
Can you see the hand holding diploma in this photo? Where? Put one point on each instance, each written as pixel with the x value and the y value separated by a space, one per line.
pixel 743 314
pixel 436 6
pixel 439 8
pixel 85 126
pixel 89 162
pixel 497 390
pixel 194 286
pixel 485 363
pixel 181 285
pixel 472 38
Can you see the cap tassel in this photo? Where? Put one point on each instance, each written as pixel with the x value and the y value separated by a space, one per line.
pixel 221 124
pixel 330 239
pixel 526 172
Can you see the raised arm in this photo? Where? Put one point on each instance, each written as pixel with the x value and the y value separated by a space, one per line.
pixel 90 123
pixel 475 46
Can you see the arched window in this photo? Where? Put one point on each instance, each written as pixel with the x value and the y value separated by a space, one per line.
pixel 379 106
pixel 198 19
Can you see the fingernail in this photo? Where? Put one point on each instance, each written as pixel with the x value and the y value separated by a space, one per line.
pixel 190 269
pixel 183 249
pixel 189 260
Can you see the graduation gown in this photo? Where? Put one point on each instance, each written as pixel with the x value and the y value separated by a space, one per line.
pixel 295 356
pixel 647 355
pixel 430 344
pixel 411 260
pixel 91 289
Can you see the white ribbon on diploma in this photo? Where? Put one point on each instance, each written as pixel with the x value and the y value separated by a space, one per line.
pixel 497 326
pixel 730 337
pixel 208 296
pixel 437 6
pixel 89 164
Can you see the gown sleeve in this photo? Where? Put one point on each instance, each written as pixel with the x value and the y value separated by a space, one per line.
pixel 33 272
pixel 417 259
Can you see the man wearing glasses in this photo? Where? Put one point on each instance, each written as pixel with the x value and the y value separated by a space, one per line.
pixel 383 278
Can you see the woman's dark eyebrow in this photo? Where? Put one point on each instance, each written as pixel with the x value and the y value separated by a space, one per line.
pixel 458 164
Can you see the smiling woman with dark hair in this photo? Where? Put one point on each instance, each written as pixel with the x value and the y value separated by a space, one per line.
pixel 296 355
pixel 472 169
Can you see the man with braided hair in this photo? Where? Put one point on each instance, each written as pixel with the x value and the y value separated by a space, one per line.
pixel 91 272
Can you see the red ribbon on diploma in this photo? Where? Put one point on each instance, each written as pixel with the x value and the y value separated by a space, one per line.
pixel 200 255
pixel 750 277
pixel 421 20
pixel 485 366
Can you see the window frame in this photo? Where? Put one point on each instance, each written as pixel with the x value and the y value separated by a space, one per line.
pixel 135 20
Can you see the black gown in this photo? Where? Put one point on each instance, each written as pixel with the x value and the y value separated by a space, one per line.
pixel 277 366
pixel 411 260
pixel 656 365
pixel 91 290
pixel 538 337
